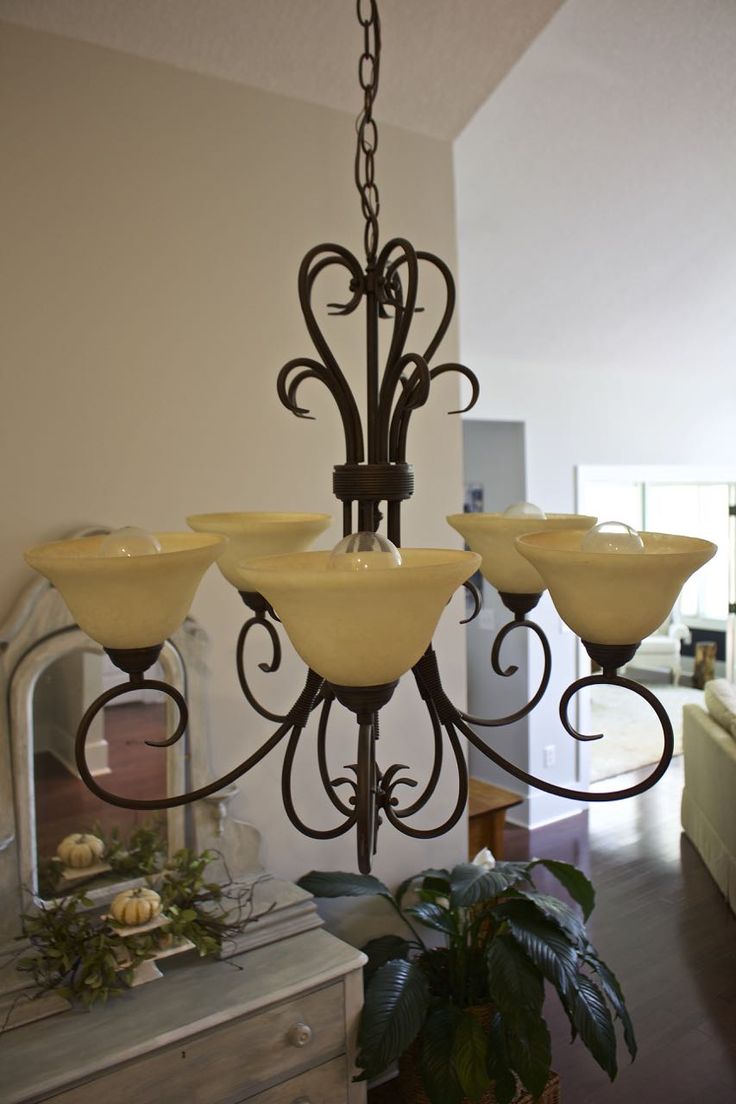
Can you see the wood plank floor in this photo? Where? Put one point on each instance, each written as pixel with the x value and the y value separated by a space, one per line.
pixel 664 928
pixel 63 802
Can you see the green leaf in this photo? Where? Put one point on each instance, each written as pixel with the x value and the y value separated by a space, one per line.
pixel 383 950
pixel 471 884
pixel 434 917
pixel 469 1051
pixel 574 881
pixel 593 1021
pixel 558 912
pixel 497 1062
pixel 437 877
pixel 530 1052
pixel 542 942
pixel 436 1065
pixel 612 989
pixel 515 984
pixel 338 883
pixel 395 1007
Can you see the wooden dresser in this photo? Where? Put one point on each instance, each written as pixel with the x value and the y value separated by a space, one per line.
pixel 274 1026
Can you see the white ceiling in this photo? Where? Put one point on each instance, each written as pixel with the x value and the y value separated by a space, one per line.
pixel 441 58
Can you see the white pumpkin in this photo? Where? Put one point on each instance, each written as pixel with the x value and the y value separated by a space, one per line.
pixel 80 850
pixel 138 906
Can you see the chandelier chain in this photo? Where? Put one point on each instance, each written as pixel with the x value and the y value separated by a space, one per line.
pixel 367 144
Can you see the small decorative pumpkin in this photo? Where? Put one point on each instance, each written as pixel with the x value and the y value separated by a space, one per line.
pixel 138 906
pixel 80 850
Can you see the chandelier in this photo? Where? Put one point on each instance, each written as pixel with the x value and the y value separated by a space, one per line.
pixel 363 615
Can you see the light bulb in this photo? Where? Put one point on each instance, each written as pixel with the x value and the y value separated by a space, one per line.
pixel 524 509
pixel 612 536
pixel 364 552
pixel 130 541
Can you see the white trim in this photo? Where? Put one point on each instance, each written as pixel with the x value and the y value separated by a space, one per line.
pixel 652 473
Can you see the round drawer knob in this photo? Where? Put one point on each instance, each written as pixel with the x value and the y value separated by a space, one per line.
pixel 299 1035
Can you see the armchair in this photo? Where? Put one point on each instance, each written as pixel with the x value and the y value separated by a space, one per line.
pixel 662 648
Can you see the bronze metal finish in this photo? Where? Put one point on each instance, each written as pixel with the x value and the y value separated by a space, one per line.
pixel 375 478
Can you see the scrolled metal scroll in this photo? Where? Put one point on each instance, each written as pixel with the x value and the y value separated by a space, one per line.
pixel 297 715
pixel 259 620
pixel 288 797
pixel 507 672
pixel 394 816
pixel 586 795
pixel 474 593
pixel 330 784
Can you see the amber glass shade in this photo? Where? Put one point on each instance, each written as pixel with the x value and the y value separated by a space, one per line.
pixel 492 536
pixel 360 628
pixel 614 597
pixel 259 534
pixel 128 601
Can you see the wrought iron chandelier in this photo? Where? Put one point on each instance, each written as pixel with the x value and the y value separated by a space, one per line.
pixel 364 615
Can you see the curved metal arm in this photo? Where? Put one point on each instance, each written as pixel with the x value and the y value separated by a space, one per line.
pixel 286 793
pixel 474 593
pixel 584 795
pixel 497 722
pixel 394 816
pixel 261 620
pixel 328 783
pixel 298 714
pixel 390 781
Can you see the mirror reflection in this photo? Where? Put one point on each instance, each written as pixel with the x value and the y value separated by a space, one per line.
pixel 81 839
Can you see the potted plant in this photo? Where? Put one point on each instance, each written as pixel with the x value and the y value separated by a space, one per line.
pixel 463 1010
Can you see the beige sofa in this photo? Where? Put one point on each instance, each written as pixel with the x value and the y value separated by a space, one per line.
pixel 709 796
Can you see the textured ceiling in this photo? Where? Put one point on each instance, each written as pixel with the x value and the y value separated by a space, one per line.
pixel 441 58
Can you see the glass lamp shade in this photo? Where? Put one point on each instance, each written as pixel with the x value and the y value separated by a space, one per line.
pixel 492 536
pixel 258 534
pixel 614 597
pixel 128 601
pixel 360 628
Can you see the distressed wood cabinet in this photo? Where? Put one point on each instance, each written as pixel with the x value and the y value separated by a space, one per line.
pixel 274 1026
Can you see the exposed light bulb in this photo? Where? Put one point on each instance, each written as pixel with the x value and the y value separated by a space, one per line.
pixel 612 536
pixel 364 552
pixel 524 509
pixel 130 541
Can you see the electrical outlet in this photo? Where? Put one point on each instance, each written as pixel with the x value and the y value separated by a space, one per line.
pixel 550 754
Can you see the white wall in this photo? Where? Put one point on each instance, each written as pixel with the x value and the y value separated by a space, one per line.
pixel 154 222
pixel 597 242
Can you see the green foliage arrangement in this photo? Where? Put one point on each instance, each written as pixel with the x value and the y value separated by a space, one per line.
pixel 78 954
pixel 501 940
pixel 142 854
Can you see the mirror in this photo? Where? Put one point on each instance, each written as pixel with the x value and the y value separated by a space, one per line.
pixel 65 810
pixel 49 672
pixel 51 686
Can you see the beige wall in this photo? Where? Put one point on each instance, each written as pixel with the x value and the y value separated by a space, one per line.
pixel 153 225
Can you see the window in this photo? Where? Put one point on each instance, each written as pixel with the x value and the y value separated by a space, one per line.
pixel 689 509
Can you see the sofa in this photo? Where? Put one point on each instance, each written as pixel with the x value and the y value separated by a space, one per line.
pixel 709 798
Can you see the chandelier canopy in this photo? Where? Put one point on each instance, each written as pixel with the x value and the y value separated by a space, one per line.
pixel 364 615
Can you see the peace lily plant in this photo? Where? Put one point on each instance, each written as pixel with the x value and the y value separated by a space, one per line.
pixel 471 1008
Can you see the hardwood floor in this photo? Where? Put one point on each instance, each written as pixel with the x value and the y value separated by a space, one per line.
pixel 63 802
pixel 666 931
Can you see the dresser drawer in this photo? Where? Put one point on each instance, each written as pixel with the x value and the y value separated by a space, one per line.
pixel 232 1062
pixel 328 1084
